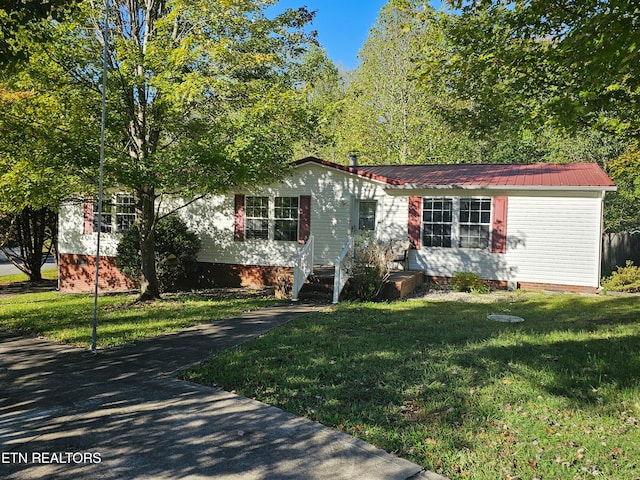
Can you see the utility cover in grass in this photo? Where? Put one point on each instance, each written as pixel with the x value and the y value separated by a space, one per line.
pixel 505 318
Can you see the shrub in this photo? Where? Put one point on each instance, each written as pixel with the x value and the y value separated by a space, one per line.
pixel 176 251
pixel 467 282
pixel 369 268
pixel 624 279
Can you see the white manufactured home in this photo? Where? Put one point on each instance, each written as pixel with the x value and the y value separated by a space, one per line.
pixel 524 225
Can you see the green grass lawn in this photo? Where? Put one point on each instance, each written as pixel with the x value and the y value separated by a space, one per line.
pixel 67 318
pixel 555 397
pixel 50 274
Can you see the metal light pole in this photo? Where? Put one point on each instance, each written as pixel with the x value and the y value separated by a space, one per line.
pixel 105 53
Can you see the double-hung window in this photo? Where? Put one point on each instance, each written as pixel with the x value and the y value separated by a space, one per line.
pixel 257 217
pixel 456 222
pixel 275 218
pixel 475 223
pixel 286 219
pixel 125 212
pixel 118 213
pixel 104 223
pixel 437 222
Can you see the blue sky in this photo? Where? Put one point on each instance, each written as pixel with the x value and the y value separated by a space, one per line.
pixel 342 25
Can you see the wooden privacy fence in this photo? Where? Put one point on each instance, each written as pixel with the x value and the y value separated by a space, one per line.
pixel 617 248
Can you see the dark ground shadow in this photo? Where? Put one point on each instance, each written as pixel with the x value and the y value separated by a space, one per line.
pixel 18 288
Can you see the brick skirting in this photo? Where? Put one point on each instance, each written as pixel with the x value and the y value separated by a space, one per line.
pixel 502 284
pixel 77 274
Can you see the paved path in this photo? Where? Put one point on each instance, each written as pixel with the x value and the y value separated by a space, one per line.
pixel 68 413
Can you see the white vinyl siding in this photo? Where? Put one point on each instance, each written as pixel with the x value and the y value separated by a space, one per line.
pixel 71 237
pixel 554 240
pixel 551 238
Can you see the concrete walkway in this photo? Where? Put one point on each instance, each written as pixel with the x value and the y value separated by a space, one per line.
pixel 120 413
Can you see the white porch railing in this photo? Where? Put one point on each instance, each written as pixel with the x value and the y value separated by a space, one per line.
pixel 302 268
pixel 341 273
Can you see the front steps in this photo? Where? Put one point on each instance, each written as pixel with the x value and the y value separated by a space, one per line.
pixel 319 286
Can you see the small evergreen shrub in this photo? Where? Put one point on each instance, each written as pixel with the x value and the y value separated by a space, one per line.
pixel 467 282
pixel 624 279
pixel 176 252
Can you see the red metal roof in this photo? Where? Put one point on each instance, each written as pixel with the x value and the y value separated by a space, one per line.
pixel 563 175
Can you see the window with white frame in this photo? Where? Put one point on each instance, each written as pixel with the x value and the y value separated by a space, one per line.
pixel 456 222
pixel 106 222
pixel 257 217
pixel 118 213
pixel 367 215
pixel 125 212
pixel 275 218
pixel 437 222
pixel 286 219
pixel 475 223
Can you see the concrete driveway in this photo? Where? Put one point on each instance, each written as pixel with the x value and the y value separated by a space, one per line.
pixel 120 413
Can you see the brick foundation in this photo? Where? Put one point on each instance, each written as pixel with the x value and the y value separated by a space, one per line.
pixel 77 274
pixel 502 284
pixel 226 275
pixel 556 287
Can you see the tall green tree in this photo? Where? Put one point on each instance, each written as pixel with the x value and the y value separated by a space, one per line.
pixel 623 207
pixel 323 88
pixel 573 63
pixel 388 115
pixel 18 17
pixel 35 156
pixel 564 72
pixel 200 96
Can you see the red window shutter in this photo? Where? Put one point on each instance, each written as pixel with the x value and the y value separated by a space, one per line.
pixel 304 220
pixel 87 211
pixel 238 219
pixel 499 225
pixel 415 220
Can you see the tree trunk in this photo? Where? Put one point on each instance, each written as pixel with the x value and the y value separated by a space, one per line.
pixel 29 230
pixel 149 287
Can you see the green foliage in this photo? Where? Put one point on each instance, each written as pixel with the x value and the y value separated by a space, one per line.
pixel 390 114
pixel 555 397
pixel 202 102
pixel 624 279
pixel 122 320
pixel 17 17
pixel 467 282
pixel 368 269
pixel 323 88
pixel 35 148
pixel 175 254
pixel 622 211
pixel 541 62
